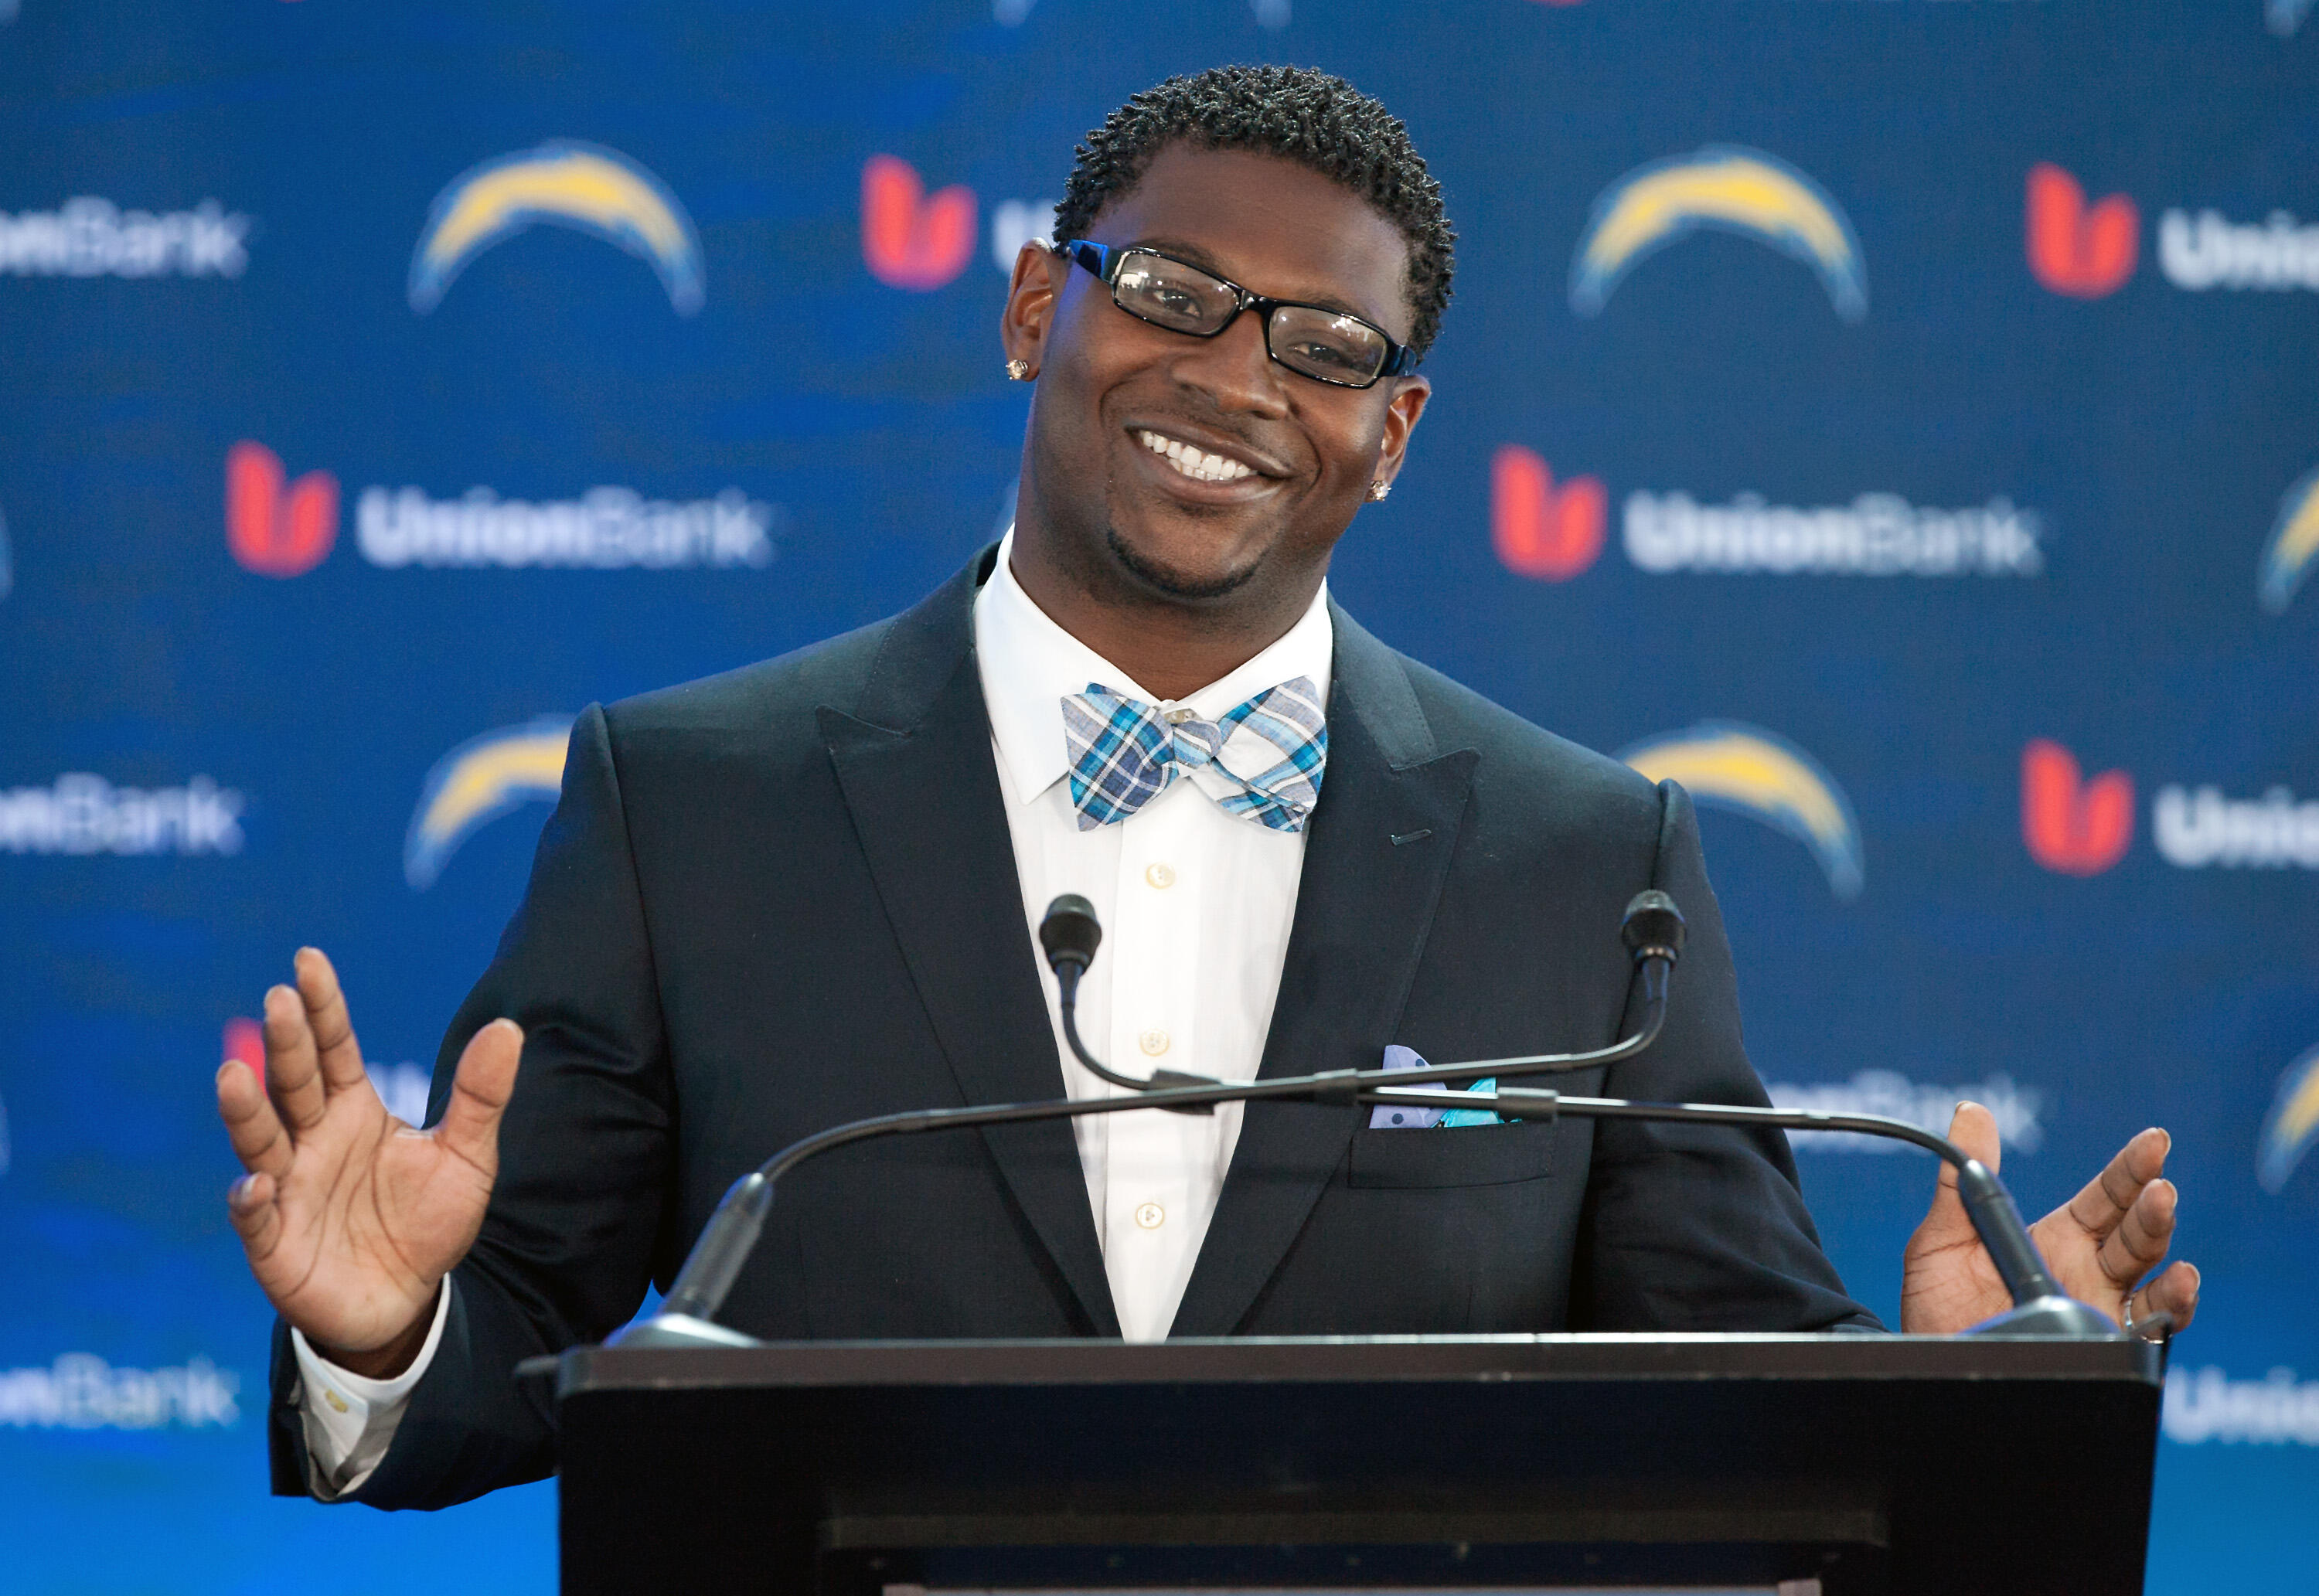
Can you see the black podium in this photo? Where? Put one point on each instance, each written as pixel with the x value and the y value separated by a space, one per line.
pixel 1865 1463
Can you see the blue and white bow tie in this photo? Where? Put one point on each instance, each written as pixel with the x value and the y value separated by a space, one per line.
pixel 1262 760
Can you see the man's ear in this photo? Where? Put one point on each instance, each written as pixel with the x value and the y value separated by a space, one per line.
pixel 1401 413
pixel 1032 295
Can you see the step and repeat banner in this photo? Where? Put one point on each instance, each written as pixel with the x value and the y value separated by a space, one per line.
pixel 1896 419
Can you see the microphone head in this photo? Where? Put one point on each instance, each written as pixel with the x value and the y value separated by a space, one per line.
pixel 1070 932
pixel 1653 926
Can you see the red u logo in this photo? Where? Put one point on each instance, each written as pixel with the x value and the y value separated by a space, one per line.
pixel 2069 825
pixel 910 239
pixel 269 530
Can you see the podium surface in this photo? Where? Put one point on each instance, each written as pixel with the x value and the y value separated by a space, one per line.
pixel 1869 1463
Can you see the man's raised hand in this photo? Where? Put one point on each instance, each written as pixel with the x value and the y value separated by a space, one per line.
pixel 2099 1245
pixel 350 1217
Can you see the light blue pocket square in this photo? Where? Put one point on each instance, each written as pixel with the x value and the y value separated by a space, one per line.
pixel 1393 1117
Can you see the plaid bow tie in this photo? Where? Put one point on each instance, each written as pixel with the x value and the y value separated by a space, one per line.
pixel 1263 760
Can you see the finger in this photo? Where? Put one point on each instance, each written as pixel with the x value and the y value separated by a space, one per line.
pixel 2174 1294
pixel 251 1126
pixel 2106 1199
pixel 294 1075
pixel 333 1027
pixel 470 1126
pixel 250 1205
pixel 2139 1242
pixel 1974 1129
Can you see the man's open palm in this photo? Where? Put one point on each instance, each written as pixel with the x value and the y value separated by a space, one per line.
pixel 2099 1246
pixel 350 1217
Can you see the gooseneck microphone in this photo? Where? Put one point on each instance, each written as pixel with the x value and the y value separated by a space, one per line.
pixel 1653 931
pixel 1071 935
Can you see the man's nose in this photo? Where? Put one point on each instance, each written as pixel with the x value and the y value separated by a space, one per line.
pixel 1234 369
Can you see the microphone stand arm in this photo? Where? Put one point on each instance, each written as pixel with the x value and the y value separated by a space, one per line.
pixel 731 1233
pixel 2039 1310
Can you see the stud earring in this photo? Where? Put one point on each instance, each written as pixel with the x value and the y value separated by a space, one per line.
pixel 1018 371
pixel 1377 491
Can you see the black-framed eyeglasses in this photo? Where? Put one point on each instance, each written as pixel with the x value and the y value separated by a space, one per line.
pixel 1310 340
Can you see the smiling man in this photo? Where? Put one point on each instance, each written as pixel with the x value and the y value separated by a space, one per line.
pixel 804 893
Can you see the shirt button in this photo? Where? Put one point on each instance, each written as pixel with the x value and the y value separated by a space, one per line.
pixel 334 1399
pixel 1160 875
pixel 1179 716
pixel 1154 1043
pixel 1151 1216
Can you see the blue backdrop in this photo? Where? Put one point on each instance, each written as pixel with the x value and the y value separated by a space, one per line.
pixel 1895 418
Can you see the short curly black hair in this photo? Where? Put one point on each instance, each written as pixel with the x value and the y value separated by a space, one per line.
pixel 1304 115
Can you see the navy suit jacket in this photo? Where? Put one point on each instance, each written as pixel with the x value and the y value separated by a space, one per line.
pixel 785 897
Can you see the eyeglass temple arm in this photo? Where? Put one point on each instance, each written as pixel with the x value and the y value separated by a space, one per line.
pixel 1096 257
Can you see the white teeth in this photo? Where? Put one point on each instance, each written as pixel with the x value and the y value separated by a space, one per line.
pixel 1196 464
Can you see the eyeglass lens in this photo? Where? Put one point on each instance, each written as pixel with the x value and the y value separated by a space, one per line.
pixel 1319 344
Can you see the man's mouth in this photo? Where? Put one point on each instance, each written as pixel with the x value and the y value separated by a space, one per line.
pixel 1197 464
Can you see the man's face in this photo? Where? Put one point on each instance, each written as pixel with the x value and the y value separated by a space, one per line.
pixel 1115 390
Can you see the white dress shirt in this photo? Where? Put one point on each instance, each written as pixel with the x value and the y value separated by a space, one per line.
pixel 1195 906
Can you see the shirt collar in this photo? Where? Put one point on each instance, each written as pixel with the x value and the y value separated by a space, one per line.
pixel 1029 664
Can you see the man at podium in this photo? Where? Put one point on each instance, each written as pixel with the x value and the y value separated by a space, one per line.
pixel 802 893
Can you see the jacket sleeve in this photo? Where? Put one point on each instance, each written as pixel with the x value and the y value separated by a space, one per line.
pixel 1698 1227
pixel 586 1149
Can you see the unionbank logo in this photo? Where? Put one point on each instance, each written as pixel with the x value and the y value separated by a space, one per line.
pixel 1727 189
pixel 1554 532
pixel 2087 250
pixel 603 529
pixel 477 782
pixel 81 1391
pixel 85 814
pixel 1751 771
pixel 89 237
pixel 280 527
pixel 2291 1126
pixel 565 184
pixel 1875 535
pixel 2069 824
pixel 2293 541
pixel 274 526
pixel 2081 826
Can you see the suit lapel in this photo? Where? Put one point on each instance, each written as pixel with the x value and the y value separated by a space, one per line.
pixel 1364 904
pixel 913 762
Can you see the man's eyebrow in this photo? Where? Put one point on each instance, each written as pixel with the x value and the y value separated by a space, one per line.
pixel 1191 254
